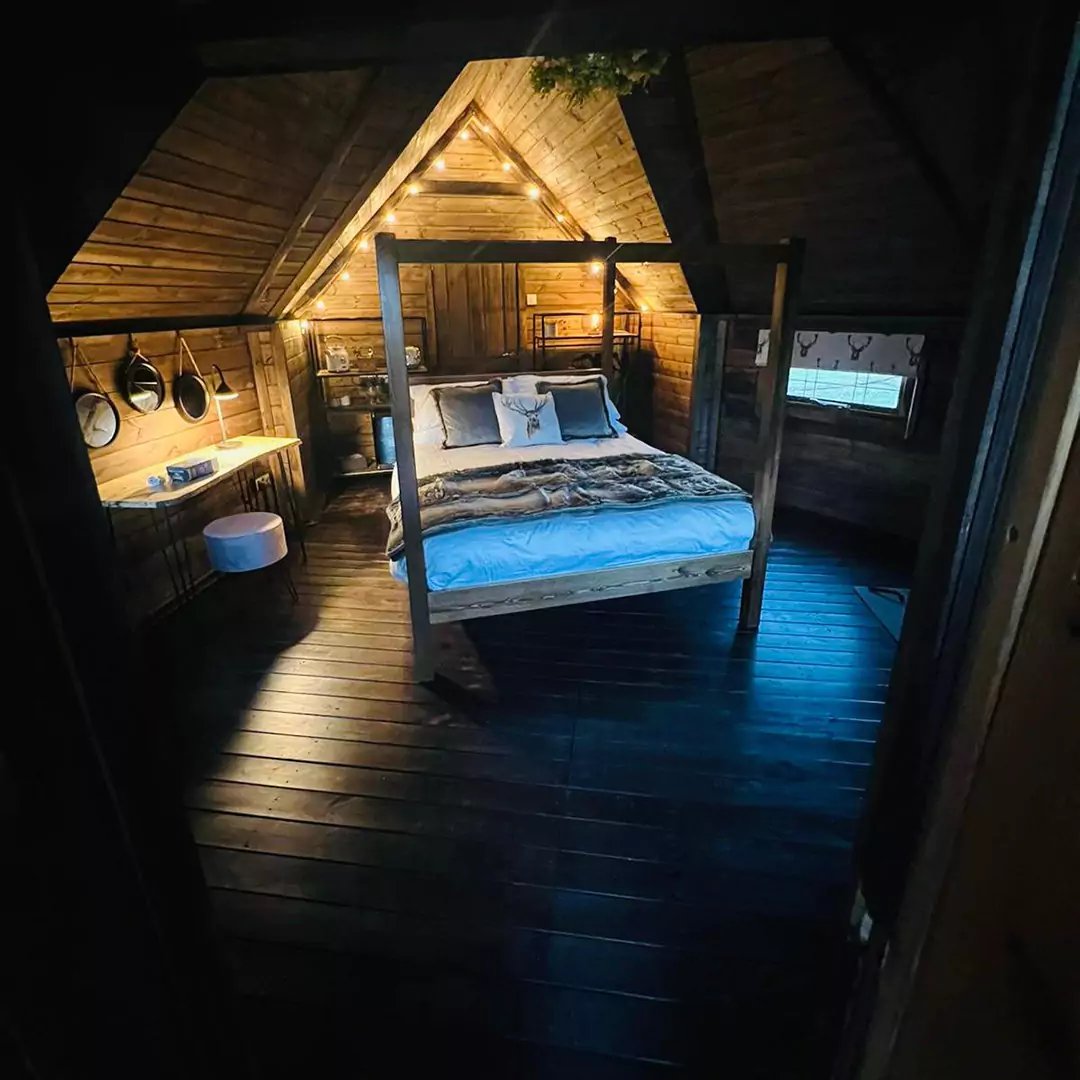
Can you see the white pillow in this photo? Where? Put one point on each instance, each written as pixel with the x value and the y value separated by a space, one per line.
pixel 526 384
pixel 427 423
pixel 527 419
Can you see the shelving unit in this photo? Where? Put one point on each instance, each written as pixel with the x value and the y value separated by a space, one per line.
pixel 363 384
pixel 549 335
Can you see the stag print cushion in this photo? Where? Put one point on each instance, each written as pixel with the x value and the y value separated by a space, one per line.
pixel 467 414
pixel 582 409
pixel 527 419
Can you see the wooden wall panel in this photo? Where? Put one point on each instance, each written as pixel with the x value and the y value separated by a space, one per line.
pixel 146 440
pixel 586 156
pixel 394 111
pixel 671 339
pixel 853 467
pixel 795 146
pixel 300 394
pixel 430 124
pixel 216 202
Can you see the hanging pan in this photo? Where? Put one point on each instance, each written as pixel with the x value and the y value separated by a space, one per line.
pixel 99 420
pixel 189 391
pixel 143 385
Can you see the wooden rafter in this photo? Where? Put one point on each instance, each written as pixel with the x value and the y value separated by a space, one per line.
pixel 905 131
pixel 312 293
pixel 385 90
pixel 549 203
pixel 663 125
pixel 350 130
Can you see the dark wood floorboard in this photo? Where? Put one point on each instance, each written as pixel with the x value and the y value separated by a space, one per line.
pixel 630 859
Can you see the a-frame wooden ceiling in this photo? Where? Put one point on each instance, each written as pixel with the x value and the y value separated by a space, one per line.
pixel 252 200
pixel 263 182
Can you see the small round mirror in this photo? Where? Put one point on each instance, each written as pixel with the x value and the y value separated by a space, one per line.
pixel 192 396
pixel 143 385
pixel 98 419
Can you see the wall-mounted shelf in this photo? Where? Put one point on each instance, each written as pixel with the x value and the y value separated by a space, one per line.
pixel 383 407
pixel 546 337
pixel 375 470
pixel 368 435
pixel 352 373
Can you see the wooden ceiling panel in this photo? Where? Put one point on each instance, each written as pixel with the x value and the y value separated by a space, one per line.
pixel 588 160
pixel 795 146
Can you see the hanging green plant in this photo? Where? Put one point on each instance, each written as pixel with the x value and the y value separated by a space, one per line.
pixel 582 77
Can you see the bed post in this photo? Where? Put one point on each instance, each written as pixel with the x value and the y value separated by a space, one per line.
pixel 386 263
pixel 771 428
pixel 607 334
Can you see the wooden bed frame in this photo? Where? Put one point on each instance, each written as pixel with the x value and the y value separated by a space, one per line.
pixel 427 607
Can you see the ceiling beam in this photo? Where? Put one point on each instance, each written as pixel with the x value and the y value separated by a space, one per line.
pixel 906 132
pixel 350 131
pixel 312 37
pixel 152 324
pixel 392 83
pixel 306 296
pixel 663 125
pixel 483 188
pixel 582 251
pixel 548 202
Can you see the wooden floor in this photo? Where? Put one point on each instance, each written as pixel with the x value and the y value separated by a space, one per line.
pixel 634 862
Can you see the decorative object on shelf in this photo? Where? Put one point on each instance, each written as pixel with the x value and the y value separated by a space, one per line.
pixel 194 467
pixel 353 463
pixel 189 390
pixel 224 392
pixel 99 419
pixel 582 77
pixel 413 357
pixel 336 358
pixel 144 388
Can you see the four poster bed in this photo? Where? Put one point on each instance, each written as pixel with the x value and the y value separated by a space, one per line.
pixel 484 526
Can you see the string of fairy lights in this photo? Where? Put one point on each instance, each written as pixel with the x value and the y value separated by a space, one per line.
pixel 414 186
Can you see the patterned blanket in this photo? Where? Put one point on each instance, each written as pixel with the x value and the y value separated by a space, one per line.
pixel 455 500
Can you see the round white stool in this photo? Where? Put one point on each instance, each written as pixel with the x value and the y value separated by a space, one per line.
pixel 242 542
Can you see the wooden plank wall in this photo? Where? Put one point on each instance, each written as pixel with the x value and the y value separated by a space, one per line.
pixel 671 339
pixel 568 287
pixel 292 362
pixel 205 213
pixel 850 466
pixel 587 158
pixel 145 440
pixel 438 119
pixel 795 146
pixel 395 109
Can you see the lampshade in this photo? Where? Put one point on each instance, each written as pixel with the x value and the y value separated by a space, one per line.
pixel 223 391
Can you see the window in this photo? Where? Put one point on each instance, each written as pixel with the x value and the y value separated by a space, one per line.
pixel 848 389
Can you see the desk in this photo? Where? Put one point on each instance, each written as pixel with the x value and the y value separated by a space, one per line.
pixel 131 492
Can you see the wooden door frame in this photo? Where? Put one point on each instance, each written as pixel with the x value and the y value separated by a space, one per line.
pixel 1034 236
pixel 113 964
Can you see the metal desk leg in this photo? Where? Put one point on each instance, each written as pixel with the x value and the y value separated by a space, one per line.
pixel 180 554
pixel 290 491
pixel 167 553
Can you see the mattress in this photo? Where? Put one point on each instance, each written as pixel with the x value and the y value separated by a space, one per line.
pixel 572 542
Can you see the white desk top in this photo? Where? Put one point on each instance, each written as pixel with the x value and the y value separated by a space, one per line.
pixel 131 492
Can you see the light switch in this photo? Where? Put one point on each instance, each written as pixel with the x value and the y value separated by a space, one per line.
pixel 530 299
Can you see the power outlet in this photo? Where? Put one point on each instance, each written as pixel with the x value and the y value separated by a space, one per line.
pixel 530 299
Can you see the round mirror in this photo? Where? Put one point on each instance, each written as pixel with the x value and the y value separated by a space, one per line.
pixel 192 396
pixel 98 419
pixel 144 387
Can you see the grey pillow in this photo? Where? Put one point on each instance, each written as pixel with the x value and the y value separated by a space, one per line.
pixel 468 414
pixel 581 408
